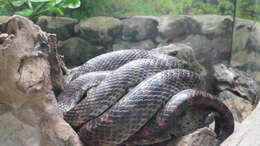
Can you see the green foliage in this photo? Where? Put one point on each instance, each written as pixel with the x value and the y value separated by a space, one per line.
pixel 3 12
pixel 245 8
pixel 79 9
pixel 249 9
pixel 35 8
pixel 88 8
pixel 160 7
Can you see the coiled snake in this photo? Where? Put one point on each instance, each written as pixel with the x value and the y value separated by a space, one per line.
pixel 135 97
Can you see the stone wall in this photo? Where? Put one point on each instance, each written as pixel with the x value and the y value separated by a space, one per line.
pixel 209 35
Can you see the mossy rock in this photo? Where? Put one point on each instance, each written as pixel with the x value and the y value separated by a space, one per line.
pixel 63 27
pixel 99 30
pixel 178 27
pixel 76 51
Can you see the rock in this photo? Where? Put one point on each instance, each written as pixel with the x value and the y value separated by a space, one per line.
pixel 15 133
pixel 99 30
pixel 248 61
pixel 246 52
pixel 63 27
pixel 236 81
pixel 247 133
pixel 4 108
pixel 256 75
pixel 139 28
pixel 215 25
pixel 178 27
pixel 240 108
pixel 255 39
pixel 209 52
pixel 76 51
pixel 4 19
pixel 242 34
pixel 155 18
pixel 181 51
pixel 145 44
pixel 214 44
pixel 3 36
pixel 211 41
pixel 185 52
pixel 201 137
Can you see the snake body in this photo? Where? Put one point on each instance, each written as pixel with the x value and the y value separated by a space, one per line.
pixel 113 60
pixel 130 113
pixel 114 86
pixel 77 88
pixel 174 119
pixel 138 100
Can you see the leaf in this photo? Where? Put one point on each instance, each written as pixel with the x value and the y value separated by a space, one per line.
pixel 78 15
pixel 55 2
pixel 56 10
pixel 25 12
pixel 72 4
pixel 41 6
pixel 3 12
pixel 58 1
pixel 39 1
pixel 3 2
pixel 29 4
pixel 18 3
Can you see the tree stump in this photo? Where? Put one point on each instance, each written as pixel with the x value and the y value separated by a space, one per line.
pixel 31 73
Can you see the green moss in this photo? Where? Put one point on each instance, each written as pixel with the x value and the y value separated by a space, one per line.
pixel 185 64
pixel 199 69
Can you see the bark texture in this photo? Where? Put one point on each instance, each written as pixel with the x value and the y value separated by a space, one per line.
pixel 31 73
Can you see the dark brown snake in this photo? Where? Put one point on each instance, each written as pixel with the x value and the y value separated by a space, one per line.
pixel 135 97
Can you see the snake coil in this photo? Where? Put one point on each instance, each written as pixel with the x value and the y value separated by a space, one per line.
pixel 136 97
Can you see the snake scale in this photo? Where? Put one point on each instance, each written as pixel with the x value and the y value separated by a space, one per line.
pixel 136 97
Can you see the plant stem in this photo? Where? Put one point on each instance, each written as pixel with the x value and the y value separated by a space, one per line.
pixel 11 5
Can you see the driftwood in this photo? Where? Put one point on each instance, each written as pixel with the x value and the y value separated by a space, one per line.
pixel 30 74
